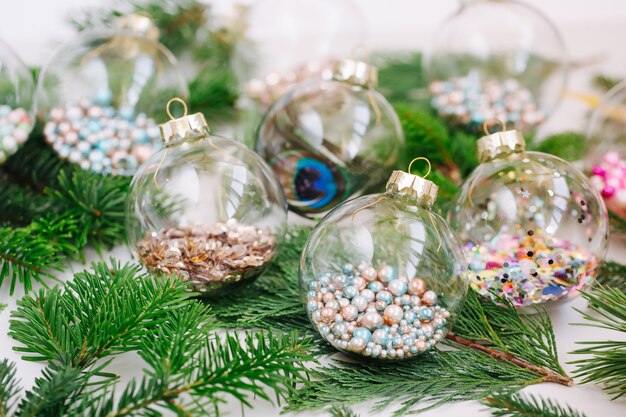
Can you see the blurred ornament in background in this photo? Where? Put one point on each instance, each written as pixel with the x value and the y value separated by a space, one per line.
pixel 100 96
pixel 332 139
pixel 496 59
pixel 205 208
pixel 605 158
pixel 382 276
pixel 16 102
pixel 534 228
pixel 287 42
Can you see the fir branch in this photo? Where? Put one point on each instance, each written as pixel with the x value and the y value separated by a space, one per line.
pixel 507 334
pixel 224 366
pixel 617 224
pixel 9 386
pixel 508 404
pixel 95 202
pixel 342 411
pixel 19 205
pixel 99 313
pixel 434 379
pixel 612 274
pixel 567 145
pixel 605 361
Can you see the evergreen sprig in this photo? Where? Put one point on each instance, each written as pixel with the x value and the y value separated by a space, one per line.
pixel 605 361
pixel 115 308
pixel 9 387
pixel 612 274
pixel 342 411
pixel 508 404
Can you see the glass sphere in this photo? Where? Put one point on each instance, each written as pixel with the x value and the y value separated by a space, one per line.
pixel 605 159
pixel 16 102
pixel 287 42
pixel 101 97
pixel 206 208
pixel 383 277
pixel 496 59
pixel 534 229
pixel 328 141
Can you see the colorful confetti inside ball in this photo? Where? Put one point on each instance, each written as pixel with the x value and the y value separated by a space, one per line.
pixel 496 59
pixel 101 96
pixel 535 229
pixel 205 208
pixel 605 159
pixel 331 140
pixel 16 102
pixel 382 276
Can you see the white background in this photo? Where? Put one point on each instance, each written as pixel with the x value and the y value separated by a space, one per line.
pixel 35 27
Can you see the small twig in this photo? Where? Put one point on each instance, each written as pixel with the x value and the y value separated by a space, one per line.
pixel 548 375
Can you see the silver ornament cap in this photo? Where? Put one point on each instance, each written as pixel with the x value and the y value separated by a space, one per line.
pixel 501 143
pixel 187 127
pixel 413 186
pixel 356 73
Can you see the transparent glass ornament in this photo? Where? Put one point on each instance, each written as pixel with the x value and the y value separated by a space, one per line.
pixel 605 159
pixel 101 96
pixel 16 102
pixel 331 140
pixel 206 208
pixel 287 42
pixel 496 59
pixel 534 228
pixel 382 276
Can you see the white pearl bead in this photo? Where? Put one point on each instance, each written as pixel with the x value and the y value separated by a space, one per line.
pixel 393 314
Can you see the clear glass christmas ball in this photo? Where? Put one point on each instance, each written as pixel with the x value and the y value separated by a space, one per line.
pixel 605 159
pixel 381 275
pixel 331 140
pixel 206 208
pixel 16 102
pixel 496 59
pixel 101 96
pixel 287 42
pixel 534 228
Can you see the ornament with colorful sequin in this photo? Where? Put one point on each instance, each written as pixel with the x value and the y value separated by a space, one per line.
pixel 382 276
pixel 330 140
pixel 534 228
pixel 496 59
pixel 605 156
pixel 16 102
pixel 101 96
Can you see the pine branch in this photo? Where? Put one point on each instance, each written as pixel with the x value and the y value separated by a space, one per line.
pixel 567 145
pixel 604 83
pixel 9 386
pixel 508 404
pixel 612 274
pixel 434 379
pixel 506 333
pixel 99 313
pixel 605 361
pixel 342 411
pixel 617 224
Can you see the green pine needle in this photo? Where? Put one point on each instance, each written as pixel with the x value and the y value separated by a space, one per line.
pixel 98 313
pixel 605 361
pixel 567 145
pixel 612 274
pixel 9 386
pixel 508 404
pixel 342 411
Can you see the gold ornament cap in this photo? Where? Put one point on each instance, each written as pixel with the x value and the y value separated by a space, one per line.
pixel 500 143
pixel 355 72
pixel 184 128
pixel 137 23
pixel 414 186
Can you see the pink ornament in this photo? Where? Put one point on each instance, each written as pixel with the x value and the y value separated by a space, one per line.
pixel 608 191
pixel 612 158
pixel 599 171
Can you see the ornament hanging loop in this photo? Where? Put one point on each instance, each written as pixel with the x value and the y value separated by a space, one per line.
pixel 176 100
pixel 492 122
pixel 421 158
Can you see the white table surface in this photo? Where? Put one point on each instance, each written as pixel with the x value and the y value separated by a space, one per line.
pixel 600 31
